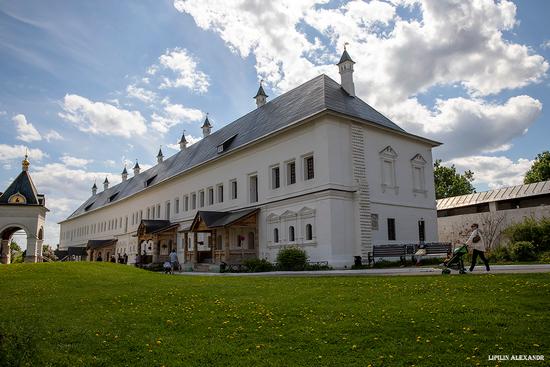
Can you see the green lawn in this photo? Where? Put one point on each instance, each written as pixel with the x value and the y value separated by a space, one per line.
pixel 71 314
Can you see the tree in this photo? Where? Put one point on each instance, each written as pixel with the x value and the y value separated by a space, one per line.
pixel 449 183
pixel 540 170
pixel 16 253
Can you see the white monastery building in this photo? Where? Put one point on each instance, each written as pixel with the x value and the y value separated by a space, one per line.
pixel 316 168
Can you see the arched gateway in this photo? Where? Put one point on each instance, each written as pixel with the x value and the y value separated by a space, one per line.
pixel 22 208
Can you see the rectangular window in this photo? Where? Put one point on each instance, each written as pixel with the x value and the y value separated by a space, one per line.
pixel 148 213
pixel 177 205
pixel 253 188
pixel 309 172
pixel 201 198
pixel 421 231
pixel 374 222
pixel 391 229
pixel 275 177
pixel 220 193
pixel 167 216
pixel 210 196
pixel 234 189
pixel 158 211
pixel 186 203
pixel 140 215
pixel 194 201
pixel 291 173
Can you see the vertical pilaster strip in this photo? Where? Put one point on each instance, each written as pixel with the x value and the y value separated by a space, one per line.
pixel 363 196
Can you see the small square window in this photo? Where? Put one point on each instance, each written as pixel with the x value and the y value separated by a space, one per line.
pixel 233 189
pixel 210 196
pixel 309 172
pixel 291 173
pixel 275 177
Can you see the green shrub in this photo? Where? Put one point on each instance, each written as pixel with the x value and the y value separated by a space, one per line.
pixel 522 251
pixel 258 265
pixel 500 253
pixel 315 267
pixel 545 257
pixel 292 258
pixel 531 230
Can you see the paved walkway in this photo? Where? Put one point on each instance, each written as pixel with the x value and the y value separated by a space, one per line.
pixel 495 269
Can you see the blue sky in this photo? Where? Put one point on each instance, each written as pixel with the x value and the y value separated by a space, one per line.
pixel 90 86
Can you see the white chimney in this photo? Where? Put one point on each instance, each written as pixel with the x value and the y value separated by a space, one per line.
pixel 160 156
pixel 183 141
pixel 105 184
pixel 206 127
pixel 345 67
pixel 260 97
pixel 124 174
pixel 136 168
pixel 94 189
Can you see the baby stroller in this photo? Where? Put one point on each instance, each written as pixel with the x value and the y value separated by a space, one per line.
pixel 455 261
pixel 167 267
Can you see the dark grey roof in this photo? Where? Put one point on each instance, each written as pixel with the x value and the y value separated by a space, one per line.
pixel 136 165
pixel 95 186
pixel 23 185
pixel 93 244
pixel 318 95
pixel 160 153
pixel 345 57
pixel 77 251
pixel 124 170
pixel 261 92
pixel 150 225
pixel 222 219
pixel 504 193
pixel 106 180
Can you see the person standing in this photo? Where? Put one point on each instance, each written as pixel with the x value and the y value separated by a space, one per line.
pixel 174 259
pixel 477 243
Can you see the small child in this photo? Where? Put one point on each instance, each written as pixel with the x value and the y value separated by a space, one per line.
pixel 167 267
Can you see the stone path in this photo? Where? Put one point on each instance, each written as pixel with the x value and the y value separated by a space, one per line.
pixel 495 269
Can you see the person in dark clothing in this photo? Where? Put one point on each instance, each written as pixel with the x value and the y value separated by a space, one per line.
pixel 125 258
pixel 99 258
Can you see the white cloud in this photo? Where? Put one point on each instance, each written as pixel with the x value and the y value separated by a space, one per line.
pixel 110 163
pixel 172 115
pixel 494 171
pixel 185 68
pixel 53 135
pixel 101 118
pixel 545 45
pixel 25 130
pixel 75 162
pixel 470 126
pixel 446 44
pixel 14 152
pixel 142 94
pixel 3 113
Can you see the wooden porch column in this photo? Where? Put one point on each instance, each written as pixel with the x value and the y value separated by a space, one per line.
pixel 185 246
pixel 226 244
pixel 213 245
pixel 195 247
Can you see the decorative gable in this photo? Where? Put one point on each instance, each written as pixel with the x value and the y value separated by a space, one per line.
pixel 418 159
pixel 388 152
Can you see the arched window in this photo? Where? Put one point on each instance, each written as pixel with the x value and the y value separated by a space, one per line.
pixel 309 232
pixel 276 235
pixel 291 234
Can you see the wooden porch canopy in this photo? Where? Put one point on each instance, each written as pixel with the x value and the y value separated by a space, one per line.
pixel 96 244
pixel 151 227
pixel 206 221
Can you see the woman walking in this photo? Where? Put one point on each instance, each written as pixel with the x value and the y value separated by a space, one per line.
pixel 477 243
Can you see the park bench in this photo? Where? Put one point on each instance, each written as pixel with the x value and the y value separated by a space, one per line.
pixel 379 251
pixel 435 249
